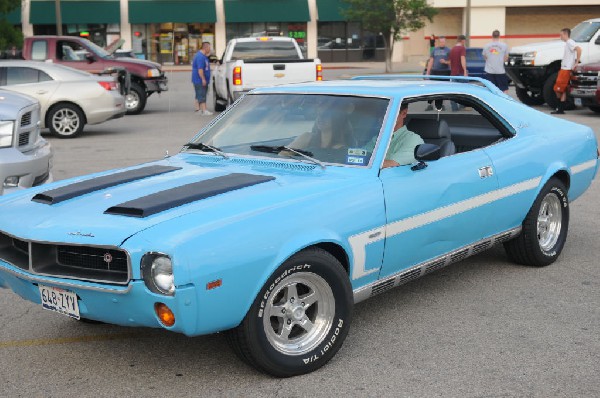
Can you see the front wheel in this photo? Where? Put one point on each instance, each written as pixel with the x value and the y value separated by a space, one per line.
pixel 545 228
pixel 529 98
pixel 300 318
pixel 135 101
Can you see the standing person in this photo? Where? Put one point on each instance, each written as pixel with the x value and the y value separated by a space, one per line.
pixel 496 54
pixel 458 63
pixel 458 58
pixel 439 60
pixel 201 78
pixel 571 57
pixel 432 42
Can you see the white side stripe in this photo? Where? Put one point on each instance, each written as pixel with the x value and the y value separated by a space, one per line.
pixel 359 241
pixel 583 166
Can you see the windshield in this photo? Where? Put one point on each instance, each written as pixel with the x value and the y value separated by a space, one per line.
pixel 584 32
pixel 260 49
pixel 328 128
pixel 99 51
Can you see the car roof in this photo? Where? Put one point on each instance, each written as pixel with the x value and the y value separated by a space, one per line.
pixel 263 38
pixel 390 87
pixel 48 67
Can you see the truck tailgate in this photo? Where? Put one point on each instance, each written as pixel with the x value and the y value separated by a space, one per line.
pixel 262 74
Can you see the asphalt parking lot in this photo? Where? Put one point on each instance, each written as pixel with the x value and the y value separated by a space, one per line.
pixel 483 327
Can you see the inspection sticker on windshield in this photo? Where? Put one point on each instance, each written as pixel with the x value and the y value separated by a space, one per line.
pixel 356 152
pixel 59 300
pixel 355 160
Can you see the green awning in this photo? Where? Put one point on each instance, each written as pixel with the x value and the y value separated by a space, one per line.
pixel 182 11
pixel 13 17
pixel 331 10
pixel 43 12
pixel 266 11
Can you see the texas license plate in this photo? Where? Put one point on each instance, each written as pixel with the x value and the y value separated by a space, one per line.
pixel 578 101
pixel 59 300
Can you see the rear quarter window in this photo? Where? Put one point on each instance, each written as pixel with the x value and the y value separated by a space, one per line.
pixel 39 50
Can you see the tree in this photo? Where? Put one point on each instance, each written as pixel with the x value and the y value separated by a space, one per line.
pixel 9 36
pixel 391 18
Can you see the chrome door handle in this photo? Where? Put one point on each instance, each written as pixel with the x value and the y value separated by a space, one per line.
pixel 41 92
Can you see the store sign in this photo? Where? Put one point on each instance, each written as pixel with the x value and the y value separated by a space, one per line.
pixel 297 34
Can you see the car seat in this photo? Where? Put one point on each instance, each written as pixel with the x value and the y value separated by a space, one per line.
pixel 434 132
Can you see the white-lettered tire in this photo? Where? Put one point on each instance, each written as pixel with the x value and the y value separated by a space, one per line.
pixel 300 318
pixel 545 228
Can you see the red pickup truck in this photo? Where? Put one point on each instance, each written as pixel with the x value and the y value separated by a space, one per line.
pixel 145 77
pixel 585 86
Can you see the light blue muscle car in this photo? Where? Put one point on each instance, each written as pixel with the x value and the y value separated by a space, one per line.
pixel 278 216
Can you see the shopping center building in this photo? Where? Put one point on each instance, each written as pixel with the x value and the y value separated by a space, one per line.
pixel 170 31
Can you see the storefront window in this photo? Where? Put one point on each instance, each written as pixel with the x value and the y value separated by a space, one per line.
pixel 100 34
pixel 171 43
pixel 348 42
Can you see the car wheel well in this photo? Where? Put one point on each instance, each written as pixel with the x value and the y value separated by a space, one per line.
pixel 564 177
pixel 48 112
pixel 336 251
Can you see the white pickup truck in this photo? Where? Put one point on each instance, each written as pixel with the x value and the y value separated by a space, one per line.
pixel 254 62
pixel 534 67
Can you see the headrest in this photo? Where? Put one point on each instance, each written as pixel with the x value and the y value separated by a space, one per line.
pixel 429 128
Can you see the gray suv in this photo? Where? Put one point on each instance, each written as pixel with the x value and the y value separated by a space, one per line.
pixel 25 157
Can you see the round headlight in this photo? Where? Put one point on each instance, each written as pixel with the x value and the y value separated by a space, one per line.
pixel 157 271
pixel 162 274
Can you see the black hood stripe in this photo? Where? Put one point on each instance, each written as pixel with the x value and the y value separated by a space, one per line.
pixel 67 192
pixel 164 200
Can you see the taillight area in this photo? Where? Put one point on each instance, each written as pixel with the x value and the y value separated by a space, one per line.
pixel 319 73
pixel 110 86
pixel 237 76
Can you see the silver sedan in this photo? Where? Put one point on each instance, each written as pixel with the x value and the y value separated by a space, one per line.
pixel 69 98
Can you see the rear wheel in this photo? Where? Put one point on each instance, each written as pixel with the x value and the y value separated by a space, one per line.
pixel 300 318
pixel 65 120
pixel 545 228
pixel 529 98
pixel 135 101
pixel 219 105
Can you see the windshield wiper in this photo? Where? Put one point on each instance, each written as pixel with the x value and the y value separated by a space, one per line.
pixel 277 149
pixel 205 148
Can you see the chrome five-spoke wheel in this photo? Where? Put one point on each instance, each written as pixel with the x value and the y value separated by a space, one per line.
pixel 549 222
pixel 299 313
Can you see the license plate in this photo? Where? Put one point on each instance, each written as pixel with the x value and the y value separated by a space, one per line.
pixel 578 102
pixel 59 300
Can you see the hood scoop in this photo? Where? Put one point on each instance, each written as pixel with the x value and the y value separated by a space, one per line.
pixel 67 192
pixel 170 198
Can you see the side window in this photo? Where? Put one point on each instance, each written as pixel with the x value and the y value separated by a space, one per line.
pixel 19 75
pixel 457 124
pixel 39 50
pixel 70 51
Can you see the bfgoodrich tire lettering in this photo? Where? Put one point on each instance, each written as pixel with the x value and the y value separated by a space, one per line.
pixel 300 318
pixel 545 228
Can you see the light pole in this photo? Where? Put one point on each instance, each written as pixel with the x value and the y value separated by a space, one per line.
pixel 58 18
pixel 468 23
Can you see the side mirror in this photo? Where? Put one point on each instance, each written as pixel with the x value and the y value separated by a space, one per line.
pixel 90 58
pixel 427 152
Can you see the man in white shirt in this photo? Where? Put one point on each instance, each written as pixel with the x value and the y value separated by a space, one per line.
pixel 571 58
pixel 495 54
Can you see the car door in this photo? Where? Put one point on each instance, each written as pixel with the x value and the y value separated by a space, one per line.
pixel 73 54
pixel 220 73
pixel 436 210
pixel 30 81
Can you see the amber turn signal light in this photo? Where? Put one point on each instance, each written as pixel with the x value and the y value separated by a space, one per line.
pixel 165 314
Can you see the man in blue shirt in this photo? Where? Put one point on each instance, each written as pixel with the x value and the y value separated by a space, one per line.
pixel 201 78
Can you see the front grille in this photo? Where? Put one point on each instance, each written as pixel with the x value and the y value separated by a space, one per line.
pixel 88 263
pixel 92 258
pixel 585 80
pixel 514 60
pixel 23 139
pixel 26 119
